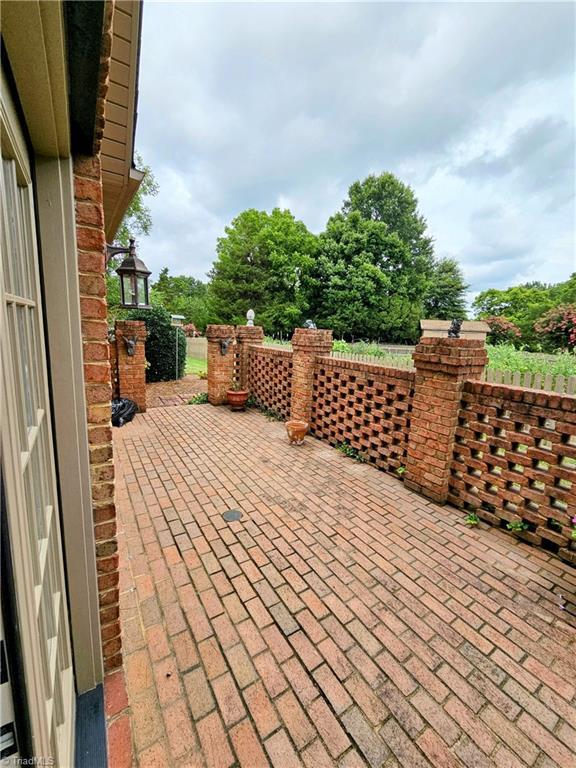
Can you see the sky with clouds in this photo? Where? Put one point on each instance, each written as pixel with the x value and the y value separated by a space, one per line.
pixel 257 105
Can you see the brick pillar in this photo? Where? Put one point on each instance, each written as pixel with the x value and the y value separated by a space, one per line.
pixel 307 345
pixel 246 335
pixel 442 367
pixel 220 367
pixel 132 368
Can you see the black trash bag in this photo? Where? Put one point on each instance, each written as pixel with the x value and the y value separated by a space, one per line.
pixel 123 410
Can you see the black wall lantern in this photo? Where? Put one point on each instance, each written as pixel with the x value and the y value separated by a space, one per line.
pixel 133 275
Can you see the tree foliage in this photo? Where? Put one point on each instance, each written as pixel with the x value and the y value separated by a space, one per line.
pixel 557 327
pixel 502 331
pixel 524 305
pixel 366 275
pixel 385 198
pixel 445 299
pixel 365 282
pixel 182 295
pixel 161 354
pixel 261 263
pixel 138 218
pixel 375 263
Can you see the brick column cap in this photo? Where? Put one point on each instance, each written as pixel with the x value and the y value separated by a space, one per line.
pixel 250 333
pixel 450 354
pixel 312 340
pixel 220 331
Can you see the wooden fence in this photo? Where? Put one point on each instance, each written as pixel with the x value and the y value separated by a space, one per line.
pixel 391 360
pixel 546 382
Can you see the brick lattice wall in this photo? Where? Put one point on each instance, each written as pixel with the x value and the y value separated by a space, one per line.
pixel 365 406
pixel 515 460
pixel 270 378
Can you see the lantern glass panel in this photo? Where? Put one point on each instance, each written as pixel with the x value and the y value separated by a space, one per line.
pixel 128 290
pixel 142 298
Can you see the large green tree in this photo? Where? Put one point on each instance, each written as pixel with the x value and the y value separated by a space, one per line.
pixel 385 198
pixel 446 296
pixel 261 264
pixel 182 295
pixel 366 282
pixel 375 263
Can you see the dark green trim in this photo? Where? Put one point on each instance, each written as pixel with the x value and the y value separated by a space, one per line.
pixel 84 25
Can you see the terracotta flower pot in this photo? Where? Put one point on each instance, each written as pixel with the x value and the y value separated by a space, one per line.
pixel 296 431
pixel 237 399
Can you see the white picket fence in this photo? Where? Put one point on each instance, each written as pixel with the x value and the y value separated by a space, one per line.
pixel 391 360
pixel 565 385
pixel 549 383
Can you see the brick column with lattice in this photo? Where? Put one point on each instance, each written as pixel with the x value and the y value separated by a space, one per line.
pixel 131 367
pixel 246 336
pixel 307 345
pixel 221 367
pixel 442 367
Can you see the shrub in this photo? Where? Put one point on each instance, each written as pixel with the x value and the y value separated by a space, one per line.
pixel 161 344
pixel 190 330
pixel 558 327
pixel 339 345
pixel 501 330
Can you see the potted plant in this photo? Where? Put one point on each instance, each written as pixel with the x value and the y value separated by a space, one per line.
pixel 296 431
pixel 237 397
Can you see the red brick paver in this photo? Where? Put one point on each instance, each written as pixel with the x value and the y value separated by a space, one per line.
pixel 343 621
pixel 179 392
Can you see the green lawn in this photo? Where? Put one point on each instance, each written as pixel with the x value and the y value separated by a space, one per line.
pixel 196 365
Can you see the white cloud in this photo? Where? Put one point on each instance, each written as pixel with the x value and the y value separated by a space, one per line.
pixel 263 105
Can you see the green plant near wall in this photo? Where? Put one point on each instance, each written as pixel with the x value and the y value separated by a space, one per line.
pixel 270 413
pixel 200 399
pixel 352 453
pixel 517 526
pixel 165 362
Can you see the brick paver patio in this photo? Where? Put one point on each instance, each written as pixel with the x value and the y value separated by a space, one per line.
pixel 179 392
pixel 342 621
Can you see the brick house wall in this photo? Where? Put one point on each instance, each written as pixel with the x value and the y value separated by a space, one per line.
pixel 91 246
pixel 97 383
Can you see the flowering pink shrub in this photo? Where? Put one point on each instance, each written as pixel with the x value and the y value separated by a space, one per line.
pixel 501 329
pixel 558 327
pixel 190 330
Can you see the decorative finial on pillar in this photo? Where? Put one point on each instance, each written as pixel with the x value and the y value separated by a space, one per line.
pixel 454 330
pixel 310 324
pixel 250 317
